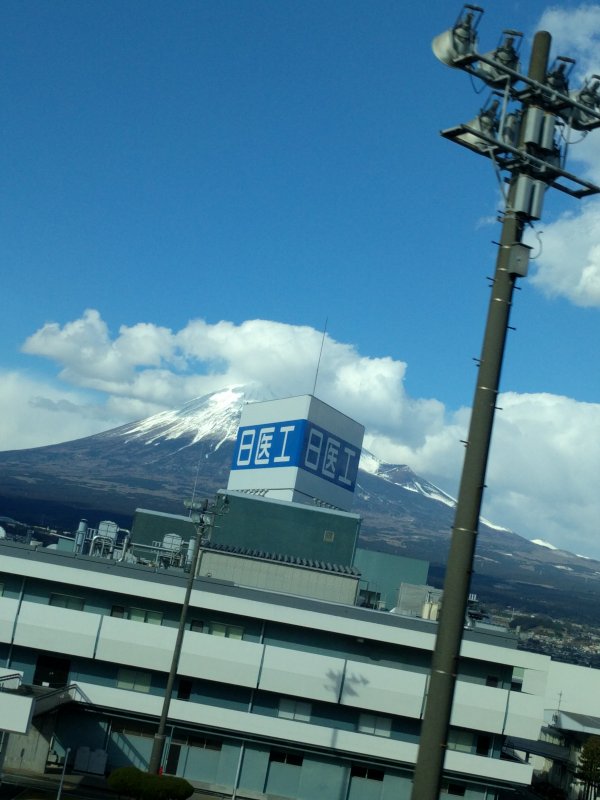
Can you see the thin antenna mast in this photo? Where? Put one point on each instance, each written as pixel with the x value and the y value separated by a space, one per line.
pixel 195 485
pixel 320 354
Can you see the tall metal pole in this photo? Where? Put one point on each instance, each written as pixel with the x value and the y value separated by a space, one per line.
pixel 444 668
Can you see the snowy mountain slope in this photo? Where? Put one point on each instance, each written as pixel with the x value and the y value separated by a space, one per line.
pixel 214 416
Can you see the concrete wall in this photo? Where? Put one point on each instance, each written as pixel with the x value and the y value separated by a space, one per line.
pixel 30 751
pixel 573 689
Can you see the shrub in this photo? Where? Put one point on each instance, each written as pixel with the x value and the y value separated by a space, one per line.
pixel 135 783
pixel 167 787
pixel 125 780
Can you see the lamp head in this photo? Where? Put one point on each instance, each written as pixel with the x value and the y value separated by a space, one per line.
pixel 458 42
pixel 558 75
pixel 486 123
pixel 588 95
pixel 505 56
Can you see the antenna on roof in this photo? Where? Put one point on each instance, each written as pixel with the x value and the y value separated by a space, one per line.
pixel 320 354
pixel 195 485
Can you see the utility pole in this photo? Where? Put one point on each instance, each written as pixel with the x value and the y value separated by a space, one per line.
pixel 523 144
pixel 202 516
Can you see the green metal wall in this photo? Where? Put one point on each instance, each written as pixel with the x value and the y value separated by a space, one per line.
pixel 288 528
pixel 150 526
pixel 384 572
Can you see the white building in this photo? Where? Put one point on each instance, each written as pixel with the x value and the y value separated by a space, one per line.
pixel 276 695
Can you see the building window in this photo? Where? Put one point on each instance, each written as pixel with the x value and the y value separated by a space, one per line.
pixel 67 601
pixel 184 689
pixel 204 743
pixel 294 709
pixel 217 629
pixel 286 758
pixel 133 679
pixel 362 771
pixel 137 615
pixel 492 680
pixel 454 789
pixel 374 724
pixel 516 683
pixel 144 615
pixel 483 744
pixel 229 631
pixel 460 740
pixel 51 671
pixel 1 589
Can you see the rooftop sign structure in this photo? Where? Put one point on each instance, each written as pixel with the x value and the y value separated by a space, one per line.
pixel 297 449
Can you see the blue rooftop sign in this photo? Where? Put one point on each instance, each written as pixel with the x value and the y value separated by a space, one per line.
pixel 297 443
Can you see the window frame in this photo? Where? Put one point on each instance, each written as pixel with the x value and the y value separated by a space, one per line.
pixel 298 710
pixel 137 680
pixel 143 615
pixel 284 757
pixel 185 688
pixel 68 599
pixel 375 724
pixel 367 772
pixel 210 627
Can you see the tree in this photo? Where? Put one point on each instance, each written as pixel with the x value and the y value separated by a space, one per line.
pixel 589 767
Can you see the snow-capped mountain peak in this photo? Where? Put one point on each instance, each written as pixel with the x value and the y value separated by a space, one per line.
pixel 213 416
pixel 401 475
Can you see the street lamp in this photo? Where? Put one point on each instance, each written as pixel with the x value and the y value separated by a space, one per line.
pixel 203 516
pixel 517 130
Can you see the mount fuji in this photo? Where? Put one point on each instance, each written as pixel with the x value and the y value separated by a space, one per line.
pixel 160 461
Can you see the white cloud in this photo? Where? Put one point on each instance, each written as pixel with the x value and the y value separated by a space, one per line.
pixel 89 356
pixel 145 365
pixel 569 264
pixel 543 470
pixel 35 412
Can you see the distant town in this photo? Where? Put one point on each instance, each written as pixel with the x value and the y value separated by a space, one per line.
pixel 561 639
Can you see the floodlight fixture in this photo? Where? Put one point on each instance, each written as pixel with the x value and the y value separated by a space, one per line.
pixel 559 74
pixel 458 43
pixel 588 95
pixel 480 134
pixel 502 64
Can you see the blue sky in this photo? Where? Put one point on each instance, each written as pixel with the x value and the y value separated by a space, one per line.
pixel 181 170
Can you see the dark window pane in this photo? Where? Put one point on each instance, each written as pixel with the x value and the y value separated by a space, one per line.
pixel 184 690
pixel 51 671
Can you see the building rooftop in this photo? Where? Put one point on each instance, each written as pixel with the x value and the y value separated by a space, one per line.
pixel 241 595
